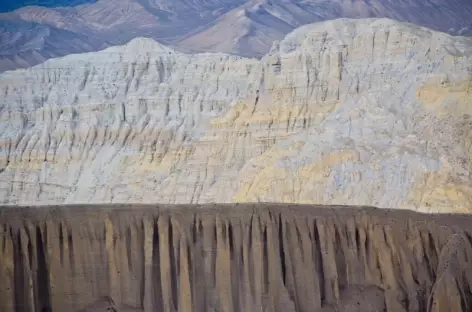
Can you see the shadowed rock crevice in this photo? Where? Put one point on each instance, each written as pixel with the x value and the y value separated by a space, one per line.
pixel 232 258
pixel 42 275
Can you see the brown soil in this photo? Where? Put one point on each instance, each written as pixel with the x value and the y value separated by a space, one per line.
pixel 232 258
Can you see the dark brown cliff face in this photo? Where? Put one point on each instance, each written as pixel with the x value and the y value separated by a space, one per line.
pixel 274 258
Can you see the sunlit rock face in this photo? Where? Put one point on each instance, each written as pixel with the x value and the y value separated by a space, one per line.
pixel 359 112
pixel 251 258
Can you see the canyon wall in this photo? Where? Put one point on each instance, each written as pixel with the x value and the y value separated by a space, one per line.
pixel 233 258
pixel 359 112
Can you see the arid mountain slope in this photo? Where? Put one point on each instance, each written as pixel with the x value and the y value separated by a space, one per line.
pixel 164 20
pixel 251 28
pixel 364 112
pixel 243 27
pixel 273 258
pixel 25 43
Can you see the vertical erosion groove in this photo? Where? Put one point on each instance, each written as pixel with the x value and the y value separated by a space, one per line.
pixel 129 252
pixel 157 301
pixel 319 262
pixel 61 244
pixel 341 263
pixel 282 250
pixel 19 282
pixel 281 261
pixel 199 295
pixel 265 259
pixel 70 243
pixel 142 247
pixel 43 274
pixel 230 239
pixel 173 269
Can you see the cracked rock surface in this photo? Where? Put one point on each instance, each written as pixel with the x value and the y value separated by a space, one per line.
pixel 359 112
pixel 251 257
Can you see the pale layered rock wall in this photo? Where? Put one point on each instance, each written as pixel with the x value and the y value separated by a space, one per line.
pixel 233 258
pixel 364 112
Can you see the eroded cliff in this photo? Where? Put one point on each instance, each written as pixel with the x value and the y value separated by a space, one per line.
pixel 233 258
pixel 358 112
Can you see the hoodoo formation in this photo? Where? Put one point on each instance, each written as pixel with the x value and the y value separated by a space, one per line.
pixel 274 258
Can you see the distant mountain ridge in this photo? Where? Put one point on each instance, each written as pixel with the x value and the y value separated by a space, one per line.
pixel 258 22
pixel 27 43
pixel 242 27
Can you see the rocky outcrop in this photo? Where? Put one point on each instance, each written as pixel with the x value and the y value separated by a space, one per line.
pixel 233 258
pixel 362 112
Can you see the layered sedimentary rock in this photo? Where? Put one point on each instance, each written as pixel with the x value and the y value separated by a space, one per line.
pixel 233 258
pixel 359 112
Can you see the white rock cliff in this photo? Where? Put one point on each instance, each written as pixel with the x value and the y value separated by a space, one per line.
pixel 359 112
